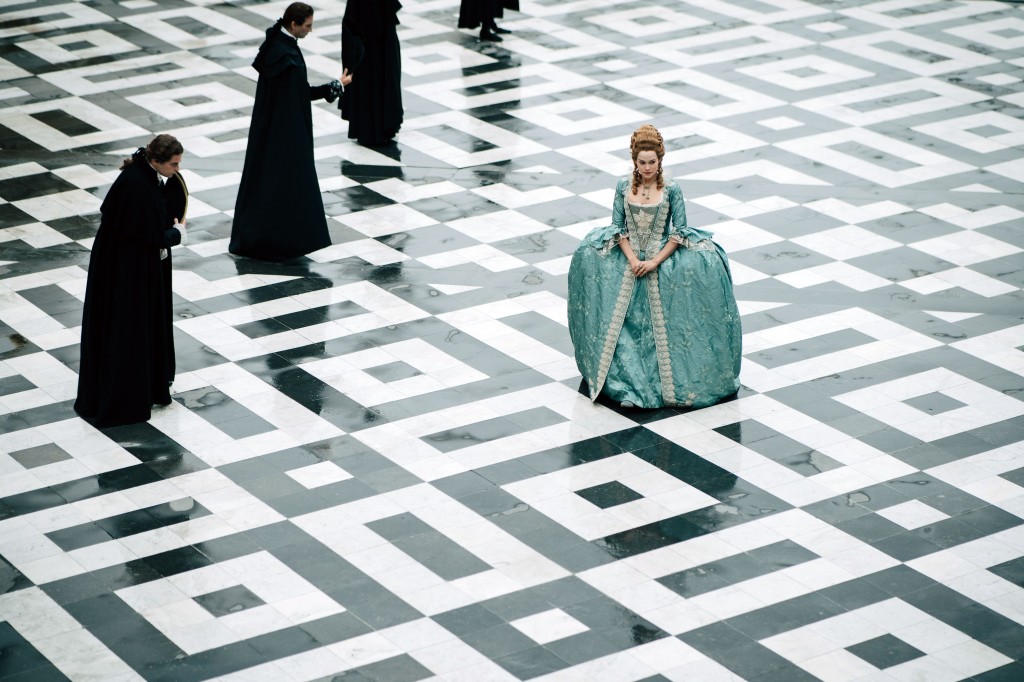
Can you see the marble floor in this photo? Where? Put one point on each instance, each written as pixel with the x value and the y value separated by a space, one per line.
pixel 378 464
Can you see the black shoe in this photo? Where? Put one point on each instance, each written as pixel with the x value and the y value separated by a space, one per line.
pixel 489 35
pixel 496 29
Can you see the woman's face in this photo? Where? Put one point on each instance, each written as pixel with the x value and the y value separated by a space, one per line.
pixel 647 164
pixel 168 168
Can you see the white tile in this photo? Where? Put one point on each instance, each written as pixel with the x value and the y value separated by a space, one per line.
pixel 827 27
pixel 912 514
pixel 549 626
pixel 966 248
pixel 999 79
pixel 316 475
pixel 849 241
pixel 780 123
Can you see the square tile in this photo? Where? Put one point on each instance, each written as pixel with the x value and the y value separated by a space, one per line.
pixel 549 626
pixel 609 494
pixel 317 475
pixel 885 651
pixel 934 403
pixel 229 600
pixel 912 514
pixel 41 455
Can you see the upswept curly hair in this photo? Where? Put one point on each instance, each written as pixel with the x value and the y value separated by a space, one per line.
pixel 646 138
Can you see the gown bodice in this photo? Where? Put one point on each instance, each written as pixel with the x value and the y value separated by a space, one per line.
pixel 646 225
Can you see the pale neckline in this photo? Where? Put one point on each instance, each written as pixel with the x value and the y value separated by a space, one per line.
pixel 657 203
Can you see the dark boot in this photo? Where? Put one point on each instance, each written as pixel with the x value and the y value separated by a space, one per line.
pixel 489 31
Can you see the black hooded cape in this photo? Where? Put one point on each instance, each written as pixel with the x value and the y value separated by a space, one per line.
pixel 472 13
pixel 127 352
pixel 279 213
pixel 372 104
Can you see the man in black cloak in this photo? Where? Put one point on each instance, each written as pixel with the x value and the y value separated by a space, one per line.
pixel 127 352
pixel 482 13
pixel 279 213
pixel 369 45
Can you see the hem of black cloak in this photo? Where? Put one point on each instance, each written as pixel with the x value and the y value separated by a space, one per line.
pixel 275 258
pixel 111 422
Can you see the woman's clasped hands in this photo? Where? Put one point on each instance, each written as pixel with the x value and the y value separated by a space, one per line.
pixel 642 268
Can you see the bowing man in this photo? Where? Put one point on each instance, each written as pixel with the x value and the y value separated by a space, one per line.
pixel 279 213
pixel 127 351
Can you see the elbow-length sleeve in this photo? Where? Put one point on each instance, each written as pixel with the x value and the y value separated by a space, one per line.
pixel 680 231
pixel 619 207
pixel 604 238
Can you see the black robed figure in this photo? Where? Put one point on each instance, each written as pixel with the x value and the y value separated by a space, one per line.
pixel 372 105
pixel 127 352
pixel 482 13
pixel 279 213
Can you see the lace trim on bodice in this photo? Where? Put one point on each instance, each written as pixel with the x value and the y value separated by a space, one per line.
pixel 645 224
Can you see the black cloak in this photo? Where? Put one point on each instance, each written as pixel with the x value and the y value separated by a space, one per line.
pixel 279 213
pixel 372 104
pixel 472 13
pixel 175 193
pixel 127 352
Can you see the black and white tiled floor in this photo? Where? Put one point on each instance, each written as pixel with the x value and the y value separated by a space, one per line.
pixel 378 465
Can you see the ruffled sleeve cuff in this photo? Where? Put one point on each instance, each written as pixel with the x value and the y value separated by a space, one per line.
pixel 693 238
pixel 690 234
pixel 604 239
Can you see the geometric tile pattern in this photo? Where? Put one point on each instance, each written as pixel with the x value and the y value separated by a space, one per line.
pixel 173 606
pixel 829 649
pixel 378 464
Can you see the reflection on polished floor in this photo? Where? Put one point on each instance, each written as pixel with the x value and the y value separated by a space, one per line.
pixel 378 464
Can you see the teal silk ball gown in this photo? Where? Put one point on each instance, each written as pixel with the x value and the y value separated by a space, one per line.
pixel 671 338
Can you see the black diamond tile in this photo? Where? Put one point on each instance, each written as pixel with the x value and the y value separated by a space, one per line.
pixel 885 651
pixel 40 455
pixel 229 600
pixel 609 494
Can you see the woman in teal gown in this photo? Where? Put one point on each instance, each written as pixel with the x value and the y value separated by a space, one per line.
pixel 652 314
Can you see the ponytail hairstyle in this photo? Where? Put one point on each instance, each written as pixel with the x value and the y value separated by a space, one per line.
pixel 161 149
pixel 646 138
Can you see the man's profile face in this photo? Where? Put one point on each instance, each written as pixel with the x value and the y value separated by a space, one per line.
pixel 304 29
pixel 168 168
